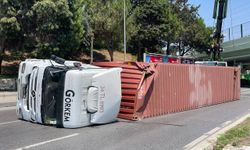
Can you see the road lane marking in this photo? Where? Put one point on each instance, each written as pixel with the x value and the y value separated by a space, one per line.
pixel 4 123
pixel 207 142
pixel 213 131
pixel 195 142
pixel 245 97
pixel 245 92
pixel 7 108
pixel 226 123
pixel 206 135
pixel 200 139
pixel 49 141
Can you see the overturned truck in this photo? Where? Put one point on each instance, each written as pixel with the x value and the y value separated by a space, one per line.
pixel 71 94
pixel 67 93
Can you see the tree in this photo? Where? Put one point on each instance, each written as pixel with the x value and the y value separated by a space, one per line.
pixel 64 27
pixel 42 27
pixel 201 40
pixel 105 19
pixel 194 34
pixel 10 28
pixel 173 28
pixel 150 21
pixel 59 28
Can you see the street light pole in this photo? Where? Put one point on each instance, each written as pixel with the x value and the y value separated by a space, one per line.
pixel 124 30
pixel 91 48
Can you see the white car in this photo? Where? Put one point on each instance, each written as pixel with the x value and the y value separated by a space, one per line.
pixel 212 63
pixel 69 95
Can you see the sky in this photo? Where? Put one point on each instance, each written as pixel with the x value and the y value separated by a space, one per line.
pixel 238 12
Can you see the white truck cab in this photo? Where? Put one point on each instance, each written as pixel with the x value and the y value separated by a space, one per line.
pixel 66 95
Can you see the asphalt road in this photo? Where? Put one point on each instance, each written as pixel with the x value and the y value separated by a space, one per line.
pixel 170 132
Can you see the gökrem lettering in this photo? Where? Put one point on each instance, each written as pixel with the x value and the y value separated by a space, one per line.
pixel 69 94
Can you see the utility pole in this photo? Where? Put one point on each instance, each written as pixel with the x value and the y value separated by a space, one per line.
pixel 124 30
pixel 220 13
pixel 91 48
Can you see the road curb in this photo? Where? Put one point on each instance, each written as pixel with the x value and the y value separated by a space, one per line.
pixel 209 140
pixel 8 97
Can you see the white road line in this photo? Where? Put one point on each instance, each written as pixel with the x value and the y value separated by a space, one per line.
pixel 226 123
pixel 205 136
pixel 7 108
pixel 49 141
pixel 213 131
pixel 242 92
pixel 244 96
pixel 195 142
pixel 4 123
pixel 244 89
pixel 206 141
pixel 245 93
pixel 200 139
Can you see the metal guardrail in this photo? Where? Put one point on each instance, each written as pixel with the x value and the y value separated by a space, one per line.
pixel 237 32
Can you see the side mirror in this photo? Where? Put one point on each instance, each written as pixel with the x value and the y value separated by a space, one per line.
pixel 57 59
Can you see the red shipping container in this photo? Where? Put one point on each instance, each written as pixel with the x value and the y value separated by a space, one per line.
pixel 153 89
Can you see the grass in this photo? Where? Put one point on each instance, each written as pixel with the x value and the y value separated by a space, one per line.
pixel 235 136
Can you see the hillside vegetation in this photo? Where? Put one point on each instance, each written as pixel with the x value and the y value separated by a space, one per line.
pixel 67 28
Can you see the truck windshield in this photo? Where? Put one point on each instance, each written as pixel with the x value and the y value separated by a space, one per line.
pixel 52 95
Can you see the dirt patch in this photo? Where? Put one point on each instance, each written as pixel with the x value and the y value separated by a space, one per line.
pixel 10 65
pixel 103 55
pixel 119 56
pixel 246 122
pixel 244 142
